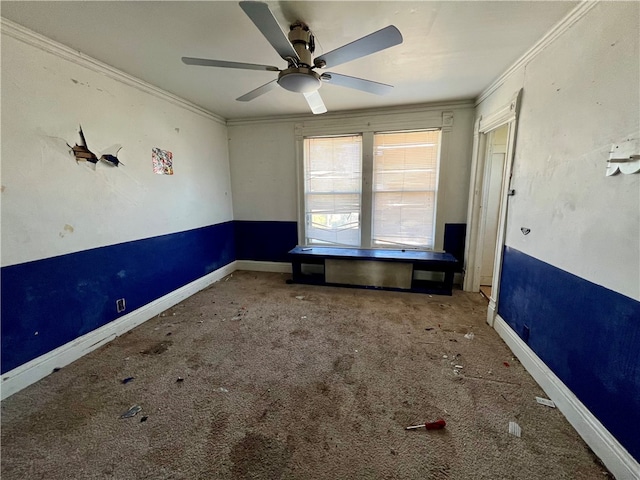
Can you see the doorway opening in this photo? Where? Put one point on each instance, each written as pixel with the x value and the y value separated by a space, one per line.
pixel 495 156
pixel 494 143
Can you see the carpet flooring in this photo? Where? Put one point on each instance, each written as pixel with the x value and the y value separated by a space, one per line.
pixel 256 379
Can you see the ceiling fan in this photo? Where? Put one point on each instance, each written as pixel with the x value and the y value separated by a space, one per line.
pixel 297 49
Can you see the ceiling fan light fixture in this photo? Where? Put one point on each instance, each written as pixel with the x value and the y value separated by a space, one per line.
pixel 299 80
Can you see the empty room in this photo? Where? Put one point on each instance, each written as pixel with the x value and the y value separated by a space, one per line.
pixel 320 240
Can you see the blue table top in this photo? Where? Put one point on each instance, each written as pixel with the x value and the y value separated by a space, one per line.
pixel 364 254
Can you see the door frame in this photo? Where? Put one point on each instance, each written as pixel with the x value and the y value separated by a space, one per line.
pixel 476 214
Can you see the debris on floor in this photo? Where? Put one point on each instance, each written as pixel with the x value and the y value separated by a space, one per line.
pixel 545 401
pixel 180 380
pixel 143 419
pixel 127 380
pixel 506 364
pixel 437 425
pixel 429 328
pixel 469 336
pixel 222 390
pixel 514 429
pixel 300 297
pixel 132 412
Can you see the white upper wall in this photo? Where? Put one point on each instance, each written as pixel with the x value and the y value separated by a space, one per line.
pixel 263 171
pixel 580 96
pixel 52 205
pixel 263 161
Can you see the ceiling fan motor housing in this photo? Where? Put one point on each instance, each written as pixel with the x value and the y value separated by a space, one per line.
pixel 300 77
pixel 302 41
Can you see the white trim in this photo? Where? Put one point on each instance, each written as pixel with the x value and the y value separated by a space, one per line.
pixel 557 30
pixel 351 114
pixel 45 44
pixel 476 213
pixel 505 114
pixel 38 368
pixel 615 457
pixel 255 266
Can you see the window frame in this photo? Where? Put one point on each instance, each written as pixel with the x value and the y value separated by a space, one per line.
pixel 367 126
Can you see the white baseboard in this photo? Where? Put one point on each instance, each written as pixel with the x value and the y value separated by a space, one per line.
pixel 616 458
pixel 38 368
pixel 254 266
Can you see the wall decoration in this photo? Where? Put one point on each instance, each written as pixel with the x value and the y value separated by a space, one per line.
pixel 162 161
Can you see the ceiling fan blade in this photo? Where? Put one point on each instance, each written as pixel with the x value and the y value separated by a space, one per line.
pixel 205 62
pixel 315 102
pixel 357 83
pixel 372 43
pixel 262 17
pixel 267 87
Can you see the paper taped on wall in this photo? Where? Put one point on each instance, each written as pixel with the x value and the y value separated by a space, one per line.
pixel 162 161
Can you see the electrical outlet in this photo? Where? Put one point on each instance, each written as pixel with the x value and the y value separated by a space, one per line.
pixel 120 305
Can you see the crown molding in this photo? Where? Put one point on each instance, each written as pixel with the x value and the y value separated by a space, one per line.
pixel 350 114
pixel 556 31
pixel 48 45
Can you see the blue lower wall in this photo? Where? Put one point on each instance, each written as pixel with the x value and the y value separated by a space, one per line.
pixel 64 297
pixel 589 337
pixel 48 303
pixel 265 241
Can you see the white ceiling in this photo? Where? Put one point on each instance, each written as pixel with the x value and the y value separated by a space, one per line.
pixel 452 49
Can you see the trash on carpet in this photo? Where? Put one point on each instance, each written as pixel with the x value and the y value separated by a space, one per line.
pixel 437 425
pixel 127 380
pixel 132 412
pixel 143 419
pixel 469 335
pixel 545 401
pixel 514 429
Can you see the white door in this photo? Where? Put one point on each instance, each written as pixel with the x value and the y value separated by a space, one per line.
pixel 493 177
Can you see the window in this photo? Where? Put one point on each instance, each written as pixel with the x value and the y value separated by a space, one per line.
pixel 380 196
pixel 405 174
pixel 332 193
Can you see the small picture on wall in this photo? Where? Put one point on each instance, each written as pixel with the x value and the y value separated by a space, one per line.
pixel 162 161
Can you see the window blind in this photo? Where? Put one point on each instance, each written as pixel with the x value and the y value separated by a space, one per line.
pixel 333 183
pixel 405 178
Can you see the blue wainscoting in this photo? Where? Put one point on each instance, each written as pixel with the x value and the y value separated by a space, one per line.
pixel 265 241
pixel 587 335
pixel 50 302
